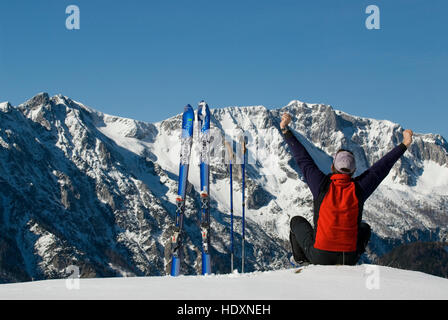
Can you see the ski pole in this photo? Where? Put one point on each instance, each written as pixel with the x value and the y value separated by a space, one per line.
pixel 230 151
pixel 243 174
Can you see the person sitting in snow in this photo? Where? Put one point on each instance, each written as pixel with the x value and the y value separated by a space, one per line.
pixel 339 236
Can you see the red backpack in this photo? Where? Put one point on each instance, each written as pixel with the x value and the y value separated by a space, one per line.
pixel 337 214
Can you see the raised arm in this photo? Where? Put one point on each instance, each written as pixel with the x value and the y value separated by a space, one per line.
pixel 372 177
pixel 313 175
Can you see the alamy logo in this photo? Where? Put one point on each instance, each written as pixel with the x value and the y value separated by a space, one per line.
pixel 73 21
pixel 372 273
pixel 72 282
pixel 373 20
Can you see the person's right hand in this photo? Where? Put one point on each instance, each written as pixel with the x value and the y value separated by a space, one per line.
pixel 286 119
pixel 407 137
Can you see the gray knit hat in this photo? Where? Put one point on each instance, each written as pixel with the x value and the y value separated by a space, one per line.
pixel 344 162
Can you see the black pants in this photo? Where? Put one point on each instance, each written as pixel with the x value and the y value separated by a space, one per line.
pixel 302 242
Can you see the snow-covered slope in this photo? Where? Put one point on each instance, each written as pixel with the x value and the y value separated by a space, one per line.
pixel 79 187
pixel 313 282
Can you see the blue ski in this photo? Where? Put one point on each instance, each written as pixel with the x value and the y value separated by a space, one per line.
pixel 204 154
pixel 186 142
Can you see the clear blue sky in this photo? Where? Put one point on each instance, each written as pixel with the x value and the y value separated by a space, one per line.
pixel 146 59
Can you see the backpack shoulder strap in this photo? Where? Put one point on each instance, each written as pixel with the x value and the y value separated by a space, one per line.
pixel 323 189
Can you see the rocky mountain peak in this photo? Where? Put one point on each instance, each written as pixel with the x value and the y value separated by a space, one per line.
pixel 41 99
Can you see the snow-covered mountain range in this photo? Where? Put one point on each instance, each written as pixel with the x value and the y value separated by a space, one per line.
pixel 79 187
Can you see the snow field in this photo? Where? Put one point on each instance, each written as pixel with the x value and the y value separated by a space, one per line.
pixel 362 282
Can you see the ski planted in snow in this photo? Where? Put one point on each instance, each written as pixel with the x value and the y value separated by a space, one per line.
pixel 186 143
pixel 204 165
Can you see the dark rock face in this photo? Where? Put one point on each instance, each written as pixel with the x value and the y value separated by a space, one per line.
pixel 428 257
